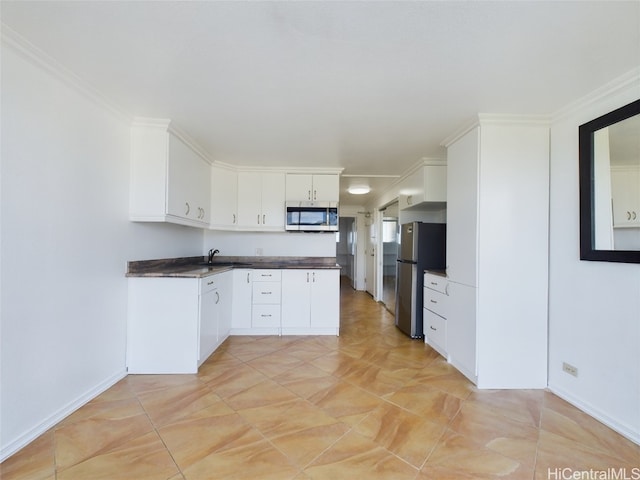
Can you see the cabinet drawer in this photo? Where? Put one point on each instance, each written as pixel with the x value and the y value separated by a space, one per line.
pixel 267 275
pixel 208 283
pixel 435 282
pixel 435 301
pixel 435 330
pixel 266 293
pixel 265 316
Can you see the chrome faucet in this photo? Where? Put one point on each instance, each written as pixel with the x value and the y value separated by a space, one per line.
pixel 212 252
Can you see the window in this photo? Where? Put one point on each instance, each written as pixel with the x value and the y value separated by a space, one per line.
pixel 389 231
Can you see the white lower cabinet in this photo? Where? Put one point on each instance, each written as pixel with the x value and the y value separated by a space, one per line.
pixel 174 324
pixel 435 312
pixel 241 314
pixel 209 317
pixel 461 335
pixel 266 291
pixel 287 302
pixel 311 302
pixel 435 331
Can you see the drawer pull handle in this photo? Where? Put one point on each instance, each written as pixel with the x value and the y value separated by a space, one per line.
pixel 433 301
pixel 211 282
pixel 266 293
pixel 434 329
pixel 434 283
pixel 265 315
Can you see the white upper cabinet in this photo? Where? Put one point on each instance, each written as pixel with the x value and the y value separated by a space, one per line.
pixel 261 201
pixel 170 182
pixel 625 193
pixel 425 188
pixel 224 197
pixel 317 188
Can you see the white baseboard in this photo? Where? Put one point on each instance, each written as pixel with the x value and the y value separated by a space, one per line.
pixel 624 430
pixel 68 409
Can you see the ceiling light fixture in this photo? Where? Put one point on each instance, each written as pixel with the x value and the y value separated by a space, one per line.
pixel 358 189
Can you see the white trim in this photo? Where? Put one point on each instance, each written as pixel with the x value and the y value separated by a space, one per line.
pixel 624 430
pixel 459 133
pixel 30 52
pixel 621 83
pixel 497 119
pixel 284 169
pixel 511 119
pixel 26 438
pixel 167 125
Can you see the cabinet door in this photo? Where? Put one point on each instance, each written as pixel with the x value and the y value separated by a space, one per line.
pixel 201 189
pixel 208 324
pixel 224 197
pixel 241 295
pixel 625 193
pixel 462 207
pixel 273 186
pixel 296 298
pixel 249 199
pixel 225 289
pixel 326 188
pixel 435 183
pixel 299 187
pixel 188 185
pixel 178 181
pixel 325 298
pixel 461 328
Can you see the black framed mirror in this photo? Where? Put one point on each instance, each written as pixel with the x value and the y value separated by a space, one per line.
pixel 609 162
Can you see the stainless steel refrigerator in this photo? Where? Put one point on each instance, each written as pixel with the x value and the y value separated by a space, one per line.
pixel 422 247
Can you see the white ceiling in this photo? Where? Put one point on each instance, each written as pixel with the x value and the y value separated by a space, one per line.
pixel 371 87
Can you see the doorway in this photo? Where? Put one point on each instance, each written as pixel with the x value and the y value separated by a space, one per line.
pixel 346 244
pixel 389 255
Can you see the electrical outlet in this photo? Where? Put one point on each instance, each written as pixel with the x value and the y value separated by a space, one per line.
pixel 258 252
pixel 570 369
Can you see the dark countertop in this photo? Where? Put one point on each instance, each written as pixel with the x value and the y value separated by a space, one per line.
pixel 196 267
pixel 440 273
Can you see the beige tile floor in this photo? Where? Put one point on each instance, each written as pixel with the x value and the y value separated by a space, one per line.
pixel 370 404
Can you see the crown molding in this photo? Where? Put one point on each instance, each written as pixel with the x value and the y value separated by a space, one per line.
pixel 500 119
pixel 281 169
pixel 37 57
pixel 460 132
pixel 513 119
pixel 628 80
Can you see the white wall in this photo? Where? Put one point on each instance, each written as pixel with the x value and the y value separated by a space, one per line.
pixel 66 239
pixel 272 244
pixel 594 307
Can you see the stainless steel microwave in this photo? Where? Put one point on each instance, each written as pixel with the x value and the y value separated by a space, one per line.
pixel 312 217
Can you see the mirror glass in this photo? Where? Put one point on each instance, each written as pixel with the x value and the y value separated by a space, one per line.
pixel 610 186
